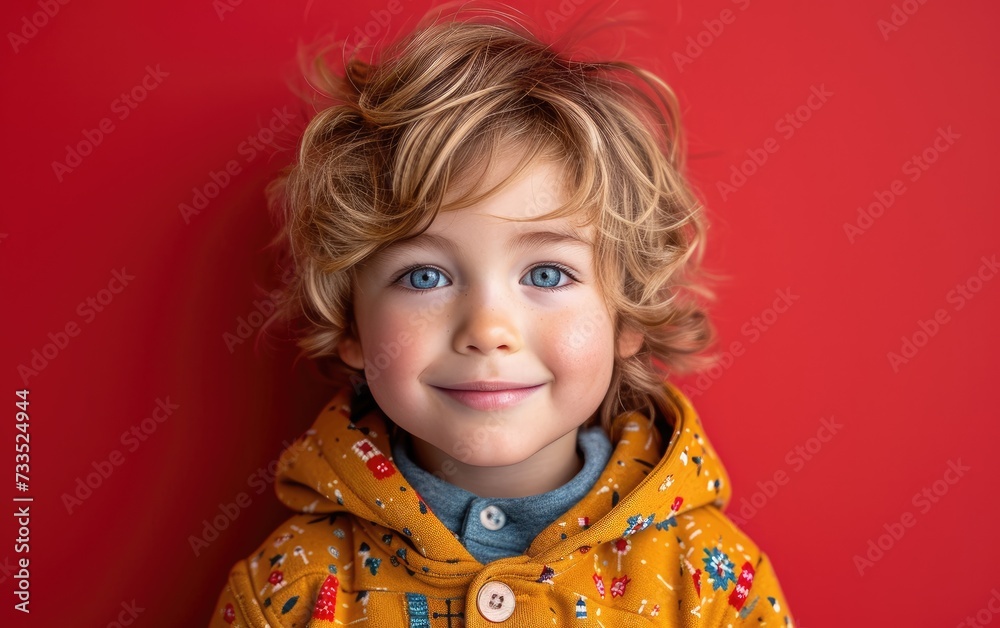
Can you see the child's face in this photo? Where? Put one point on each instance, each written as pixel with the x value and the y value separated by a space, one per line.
pixel 469 303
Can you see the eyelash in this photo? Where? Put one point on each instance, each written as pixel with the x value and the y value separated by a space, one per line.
pixel 555 265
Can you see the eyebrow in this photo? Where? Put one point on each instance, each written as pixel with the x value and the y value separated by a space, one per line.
pixel 521 241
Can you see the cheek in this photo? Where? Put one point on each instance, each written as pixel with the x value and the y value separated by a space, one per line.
pixel 396 344
pixel 584 341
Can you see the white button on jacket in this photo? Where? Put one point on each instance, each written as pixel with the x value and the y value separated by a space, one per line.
pixel 495 601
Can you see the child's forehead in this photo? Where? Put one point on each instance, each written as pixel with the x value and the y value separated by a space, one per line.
pixel 525 201
pixel 509 176
pixel 510 200
pixel 447 232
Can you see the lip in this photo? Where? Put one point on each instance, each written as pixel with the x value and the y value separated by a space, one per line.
pixel 489 395
pixel 488 386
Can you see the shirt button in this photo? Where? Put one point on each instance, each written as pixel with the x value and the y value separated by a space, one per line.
pixel 492 518
pixel 495 601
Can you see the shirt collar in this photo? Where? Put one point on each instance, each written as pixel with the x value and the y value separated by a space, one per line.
pixel 492 528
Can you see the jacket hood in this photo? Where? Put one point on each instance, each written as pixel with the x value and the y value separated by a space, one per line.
pixel 661 467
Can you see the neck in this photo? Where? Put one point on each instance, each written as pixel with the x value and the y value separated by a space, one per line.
pixel 548 469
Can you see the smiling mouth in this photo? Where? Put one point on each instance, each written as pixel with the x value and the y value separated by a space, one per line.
pixel 490 399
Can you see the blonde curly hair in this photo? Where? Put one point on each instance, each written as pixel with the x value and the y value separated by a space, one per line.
pixel 437 106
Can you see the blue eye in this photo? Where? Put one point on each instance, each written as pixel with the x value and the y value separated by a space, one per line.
pixel 545 276
pixel 425 278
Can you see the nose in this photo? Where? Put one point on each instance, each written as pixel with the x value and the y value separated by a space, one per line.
pixel 488 324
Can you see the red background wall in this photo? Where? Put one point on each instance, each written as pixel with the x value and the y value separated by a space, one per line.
pixel 854 296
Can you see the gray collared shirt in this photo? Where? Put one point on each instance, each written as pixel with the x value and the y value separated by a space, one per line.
pixel 494 528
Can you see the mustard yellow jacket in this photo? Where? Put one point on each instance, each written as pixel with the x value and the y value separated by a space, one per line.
pixel 648 546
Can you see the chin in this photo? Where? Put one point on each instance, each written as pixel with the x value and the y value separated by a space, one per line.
pixel 496 451
pixel 494 459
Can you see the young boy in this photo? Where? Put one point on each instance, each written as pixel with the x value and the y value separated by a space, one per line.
pixel 497 241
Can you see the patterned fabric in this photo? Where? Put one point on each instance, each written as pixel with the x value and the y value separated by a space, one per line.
pixel 647 546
